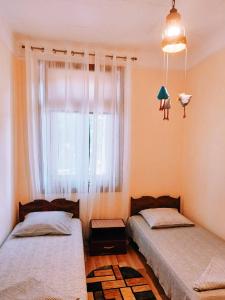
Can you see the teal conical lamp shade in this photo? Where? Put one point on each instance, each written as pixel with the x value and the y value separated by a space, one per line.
pixel 163 94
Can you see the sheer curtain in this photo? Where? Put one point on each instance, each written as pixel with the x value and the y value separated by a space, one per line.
pixel 78 131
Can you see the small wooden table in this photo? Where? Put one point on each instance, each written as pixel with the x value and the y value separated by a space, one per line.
pixel 108 236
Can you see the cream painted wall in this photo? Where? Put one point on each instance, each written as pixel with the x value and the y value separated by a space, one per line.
pixel 7 204
pixel 155 143
pixel 21 151
pixel 203 153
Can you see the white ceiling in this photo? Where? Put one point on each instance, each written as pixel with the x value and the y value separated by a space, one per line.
pixel 130 24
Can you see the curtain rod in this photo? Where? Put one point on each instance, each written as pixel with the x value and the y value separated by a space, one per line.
pixel 77 52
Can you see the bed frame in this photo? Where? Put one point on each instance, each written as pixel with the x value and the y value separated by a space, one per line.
pixel 145 202
pixel 60 204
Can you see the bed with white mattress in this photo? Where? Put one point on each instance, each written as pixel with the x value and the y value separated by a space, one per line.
pixel 178 256
pixel 44 267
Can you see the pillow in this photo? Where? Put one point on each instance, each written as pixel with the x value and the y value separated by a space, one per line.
pixel 165 218
pixel 45 222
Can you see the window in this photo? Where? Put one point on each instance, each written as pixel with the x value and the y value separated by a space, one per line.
pixel 81 129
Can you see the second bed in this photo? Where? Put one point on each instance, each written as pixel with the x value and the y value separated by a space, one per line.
pixel 178 256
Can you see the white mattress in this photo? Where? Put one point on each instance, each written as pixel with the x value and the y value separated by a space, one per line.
pixel 178 256
pixel 56 262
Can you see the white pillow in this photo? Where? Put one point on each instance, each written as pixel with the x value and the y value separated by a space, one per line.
pixel 165 218
pixel 45 222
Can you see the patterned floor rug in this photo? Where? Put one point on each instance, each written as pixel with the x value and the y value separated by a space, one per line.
pixel 118 283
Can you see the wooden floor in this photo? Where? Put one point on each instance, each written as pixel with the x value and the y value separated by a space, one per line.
pixel 132 259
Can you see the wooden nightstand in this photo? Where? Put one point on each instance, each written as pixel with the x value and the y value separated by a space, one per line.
pixel 107 236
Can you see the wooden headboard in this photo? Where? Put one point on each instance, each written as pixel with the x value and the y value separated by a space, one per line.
pixel 60 204
pixel 152 202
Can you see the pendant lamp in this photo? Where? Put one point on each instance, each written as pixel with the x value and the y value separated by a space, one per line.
pixel 173 41
pixel 173 37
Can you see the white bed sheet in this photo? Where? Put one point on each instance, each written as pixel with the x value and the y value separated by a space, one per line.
pixel 178 257
pixel 56 262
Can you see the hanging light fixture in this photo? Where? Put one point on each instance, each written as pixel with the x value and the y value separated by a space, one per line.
pixel 173 41
pixel 173 37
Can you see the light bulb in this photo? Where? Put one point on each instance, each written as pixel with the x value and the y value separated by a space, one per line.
pixel 172 31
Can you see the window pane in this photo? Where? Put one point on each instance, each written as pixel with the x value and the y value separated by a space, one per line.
pixel 62 134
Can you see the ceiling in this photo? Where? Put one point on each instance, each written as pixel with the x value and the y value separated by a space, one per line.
pixel 130 24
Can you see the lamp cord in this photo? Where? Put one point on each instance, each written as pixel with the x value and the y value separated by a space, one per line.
pixel 164 67
pixel 185 69
pixel 173 3
pixel 167 67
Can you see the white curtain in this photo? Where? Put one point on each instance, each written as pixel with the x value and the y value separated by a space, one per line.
pixel 78 129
